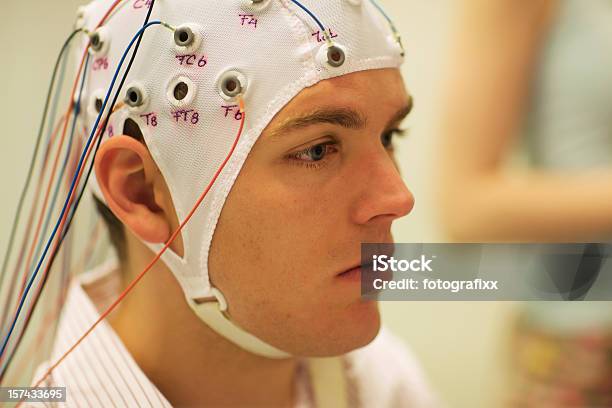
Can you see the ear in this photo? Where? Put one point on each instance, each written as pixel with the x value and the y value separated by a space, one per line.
pixel 134 188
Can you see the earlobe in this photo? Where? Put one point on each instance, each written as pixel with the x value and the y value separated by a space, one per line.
pixel 128 178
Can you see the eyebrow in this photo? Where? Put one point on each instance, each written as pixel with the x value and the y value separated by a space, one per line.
pixel 343 117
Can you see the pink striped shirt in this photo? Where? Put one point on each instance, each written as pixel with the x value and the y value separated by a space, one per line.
pixel 100 372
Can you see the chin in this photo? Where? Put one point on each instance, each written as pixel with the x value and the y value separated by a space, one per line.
pixel 358 325
pixel 365 318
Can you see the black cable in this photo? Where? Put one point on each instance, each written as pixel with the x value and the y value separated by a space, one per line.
pixel 84 186
pixel 76 112
pixel 26 186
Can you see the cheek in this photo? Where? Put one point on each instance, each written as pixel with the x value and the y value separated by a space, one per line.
pixel 274 254
pixel 269 238
pixel 273 237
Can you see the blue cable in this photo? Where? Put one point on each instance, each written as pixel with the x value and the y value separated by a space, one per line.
pixel 391 24
pixel 52 114
pixel 310 13
pixel 72 186
pixel 62 171
pixel 77 111
pixel 382 11
pixel 4 277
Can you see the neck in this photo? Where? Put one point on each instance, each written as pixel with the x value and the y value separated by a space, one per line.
pixel 188 362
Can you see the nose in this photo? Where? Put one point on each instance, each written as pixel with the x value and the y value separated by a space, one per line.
pixel 383 194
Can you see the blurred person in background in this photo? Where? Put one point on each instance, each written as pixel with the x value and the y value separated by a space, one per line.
pixel 535 75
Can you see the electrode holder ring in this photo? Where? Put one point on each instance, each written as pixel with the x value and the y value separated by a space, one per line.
pixel 187 38
pixel 332 56
pixel 136 97
pixel 99 41
pixel 231 84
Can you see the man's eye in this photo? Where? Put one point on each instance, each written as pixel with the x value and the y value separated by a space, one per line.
pixel 315 153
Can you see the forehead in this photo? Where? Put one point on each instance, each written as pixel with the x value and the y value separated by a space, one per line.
pixel 370 92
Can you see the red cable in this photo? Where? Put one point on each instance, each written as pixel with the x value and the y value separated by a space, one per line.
pixel 62 120
pixel 160 253
pixel 61 228
pixel 45 202
pixel 68 112
pixel 53 315
pixel 26 236
pixel 155 259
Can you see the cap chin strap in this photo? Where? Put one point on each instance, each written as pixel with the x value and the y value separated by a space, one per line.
pixel 212 312
pixel 327 374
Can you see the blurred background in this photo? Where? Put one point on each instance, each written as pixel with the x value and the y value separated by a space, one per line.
pixel 510 140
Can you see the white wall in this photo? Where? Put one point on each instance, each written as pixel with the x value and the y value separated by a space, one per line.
pixel 461 344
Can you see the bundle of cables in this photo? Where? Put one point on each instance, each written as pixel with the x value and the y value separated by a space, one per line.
pixel 67 172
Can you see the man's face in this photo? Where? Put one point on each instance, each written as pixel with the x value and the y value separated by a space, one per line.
pixel 320 181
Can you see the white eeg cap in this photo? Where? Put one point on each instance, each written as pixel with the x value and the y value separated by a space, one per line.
pixel 181 91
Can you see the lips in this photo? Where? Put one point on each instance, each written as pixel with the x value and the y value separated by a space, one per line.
pixel 356 268
pixel 355 271
pixel 362 278
pixel 353 274
pixel 372 249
